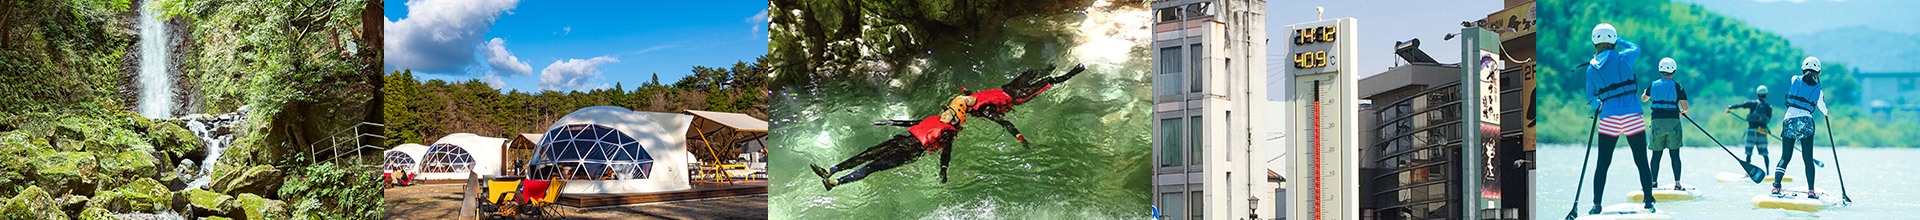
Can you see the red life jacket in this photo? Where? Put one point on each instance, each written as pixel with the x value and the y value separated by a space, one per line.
pixel 929 132
pixel 994 98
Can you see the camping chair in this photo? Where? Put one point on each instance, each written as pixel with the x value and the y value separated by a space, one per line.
pixel 511 197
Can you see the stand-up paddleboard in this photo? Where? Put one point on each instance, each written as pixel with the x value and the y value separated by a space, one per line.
pixel 1735 177
pixel 1796 199
pixel 1626 211
pixel 1668 193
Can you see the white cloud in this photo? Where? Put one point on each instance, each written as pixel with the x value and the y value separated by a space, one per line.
pixel 493 81
pixel 565 30
pixel 573 74
pixel 759 21
pixel 502 60
pixel 440 35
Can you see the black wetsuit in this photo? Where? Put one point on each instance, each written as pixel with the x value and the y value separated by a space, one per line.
pixel 1758 115
pixel 894 152
pixel 996 103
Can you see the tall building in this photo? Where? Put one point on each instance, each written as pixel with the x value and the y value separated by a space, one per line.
pixel 1214 126
pixel 1419 112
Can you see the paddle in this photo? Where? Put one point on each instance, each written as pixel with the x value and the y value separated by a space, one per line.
pixel 1836 158
pixel 1754 173
pixel 1816 162
pixel 1582 184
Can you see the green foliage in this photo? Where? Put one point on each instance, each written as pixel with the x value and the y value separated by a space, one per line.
pixel 327 191
pixel 1721 61
pixel 61 56
pixel 421 111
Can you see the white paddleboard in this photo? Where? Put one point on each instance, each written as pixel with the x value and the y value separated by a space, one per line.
pixel 1667 193
pixel 1626 211
pixel 1736 177
pixel 1796 199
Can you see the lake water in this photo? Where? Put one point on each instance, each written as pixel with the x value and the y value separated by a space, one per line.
pixel 1880 180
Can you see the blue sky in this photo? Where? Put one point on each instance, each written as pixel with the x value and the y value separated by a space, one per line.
pixel 1380 24
pixel 570 45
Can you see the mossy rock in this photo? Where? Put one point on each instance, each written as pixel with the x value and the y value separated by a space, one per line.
pixel 176 141
pixel 31 203
pixel 209 203
pixel 126 165
pixel 70 172
pixel 258 179
pixel 73 203
pixel 143 195
pixel 215 218
pixel 14 173
pixel 256 207
pixel 96 213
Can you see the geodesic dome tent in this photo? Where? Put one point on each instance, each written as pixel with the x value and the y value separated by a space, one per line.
pixel 456 154
pixel 405 157
pixel 607 149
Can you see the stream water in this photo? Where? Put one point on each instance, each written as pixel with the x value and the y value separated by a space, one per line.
pixel 216 131
pixel 156 83
pixel 1090 134
pixel 1880 181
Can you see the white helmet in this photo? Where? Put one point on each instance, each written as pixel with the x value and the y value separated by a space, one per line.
pixel 1810 64
pixel 1760 91
pixel 1604 34
pixel 1667 65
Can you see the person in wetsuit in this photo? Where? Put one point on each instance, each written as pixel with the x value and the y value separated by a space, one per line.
pixel 1758 115
pixel 935 133
pixel 994 104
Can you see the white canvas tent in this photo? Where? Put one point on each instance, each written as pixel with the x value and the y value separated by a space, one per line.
pixel 456 154
pixel 607 149
pixel 405 157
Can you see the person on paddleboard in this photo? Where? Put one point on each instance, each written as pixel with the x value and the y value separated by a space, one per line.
pixel 1758 115
pixel 1609 82
pixel 994 104
pixel 1803 97
pixel 935 133
pixel 1669 101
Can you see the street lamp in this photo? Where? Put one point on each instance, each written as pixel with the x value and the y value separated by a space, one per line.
pixel 1253 205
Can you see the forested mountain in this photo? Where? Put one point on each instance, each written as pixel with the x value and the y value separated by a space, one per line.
pixel 1721 61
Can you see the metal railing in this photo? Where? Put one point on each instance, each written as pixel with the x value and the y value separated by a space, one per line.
pixel 339 145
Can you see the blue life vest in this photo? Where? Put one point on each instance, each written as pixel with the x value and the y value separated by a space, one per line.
pixel 1802 98
pixel 1664 95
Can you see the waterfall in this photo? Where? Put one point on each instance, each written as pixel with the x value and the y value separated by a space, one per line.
pixel 156 84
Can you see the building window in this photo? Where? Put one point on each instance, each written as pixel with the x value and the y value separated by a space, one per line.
pixel 1169 14
pixel 1200 9
pixel 1170 68
pixel 1194 146
pixel 1194 203
pixel 1199 67
pixel 1171 142
pixel 1171 205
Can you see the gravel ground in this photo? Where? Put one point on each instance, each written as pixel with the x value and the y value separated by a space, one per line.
pixel 443 202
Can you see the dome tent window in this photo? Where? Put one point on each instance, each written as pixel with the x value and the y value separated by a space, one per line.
pixel 397 161
pixel 592 152
pixel 448 158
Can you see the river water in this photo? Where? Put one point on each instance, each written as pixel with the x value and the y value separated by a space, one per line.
pixel 1091 147
pixel 1880 181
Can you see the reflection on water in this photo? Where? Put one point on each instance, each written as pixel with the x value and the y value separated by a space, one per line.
pixel 1880 181
pixel 1090 155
